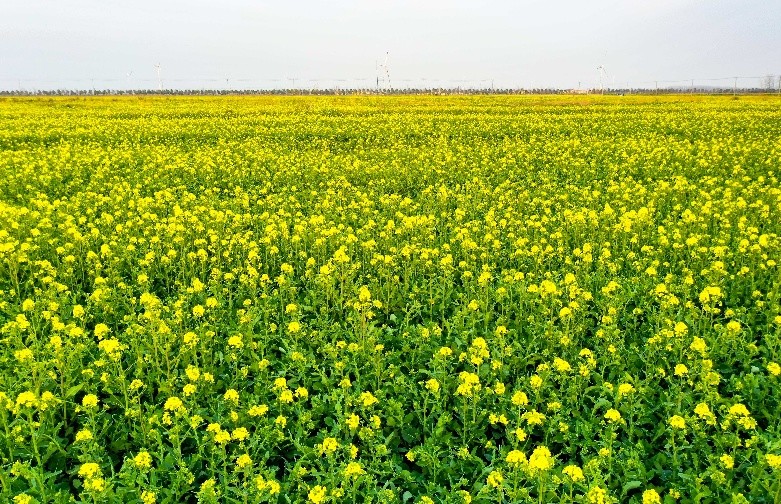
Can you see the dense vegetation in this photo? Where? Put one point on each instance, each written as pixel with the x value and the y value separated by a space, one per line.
pixel 390 299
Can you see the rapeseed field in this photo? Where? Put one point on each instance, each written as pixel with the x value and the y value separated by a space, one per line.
pixel 390 299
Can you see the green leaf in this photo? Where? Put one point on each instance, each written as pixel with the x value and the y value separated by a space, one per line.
pixel 73 390
pixel 630 485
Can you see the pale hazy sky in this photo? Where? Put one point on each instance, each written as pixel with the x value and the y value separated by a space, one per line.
pixel 80 43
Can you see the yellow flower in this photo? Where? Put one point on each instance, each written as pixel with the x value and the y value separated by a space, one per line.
pixel 317 494
pixel 738 410
pixel 353 470
pixel 469 384
pixel 677 422
pixel 95 485
pixel 561 365
pixel 494 479
pixel 574 473
pixel 433 385
pixel 445 352
pixel 368 399
pixel 24 355
pixel 516 458
pixel 207 487
pixel 173 404
pixel 774 461
pixel 89 401
pixel 699 345
pixel 520 399
pixel 597 495
pixel 541 459
pixel 533 417
pixel 243 461
pixel 710 295
pixel 101 330
pixel 613 415
pixel 651 497
pixel 112 347
pixel 273 487
pixel 239 434
pixel 222 437
pixel 232 395
pixel 352 421
pixel 89 470
pixel 26 399
pixel 190 339
pixel 727 461
pixel 84 435
pixel 143 460
pixel 704 412
pixel 148 497
pixel 774 368
pixel 258 410
pixel 329 446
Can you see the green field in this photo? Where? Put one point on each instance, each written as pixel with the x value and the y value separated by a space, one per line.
pixel 390 299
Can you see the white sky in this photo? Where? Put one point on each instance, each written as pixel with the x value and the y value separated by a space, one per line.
pixel 48 44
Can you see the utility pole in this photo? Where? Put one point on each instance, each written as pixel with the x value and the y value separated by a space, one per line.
pixel 159 79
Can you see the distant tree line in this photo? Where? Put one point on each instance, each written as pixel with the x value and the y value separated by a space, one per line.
pixel 769 84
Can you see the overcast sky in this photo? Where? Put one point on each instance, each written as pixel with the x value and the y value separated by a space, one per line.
pixel 242 43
